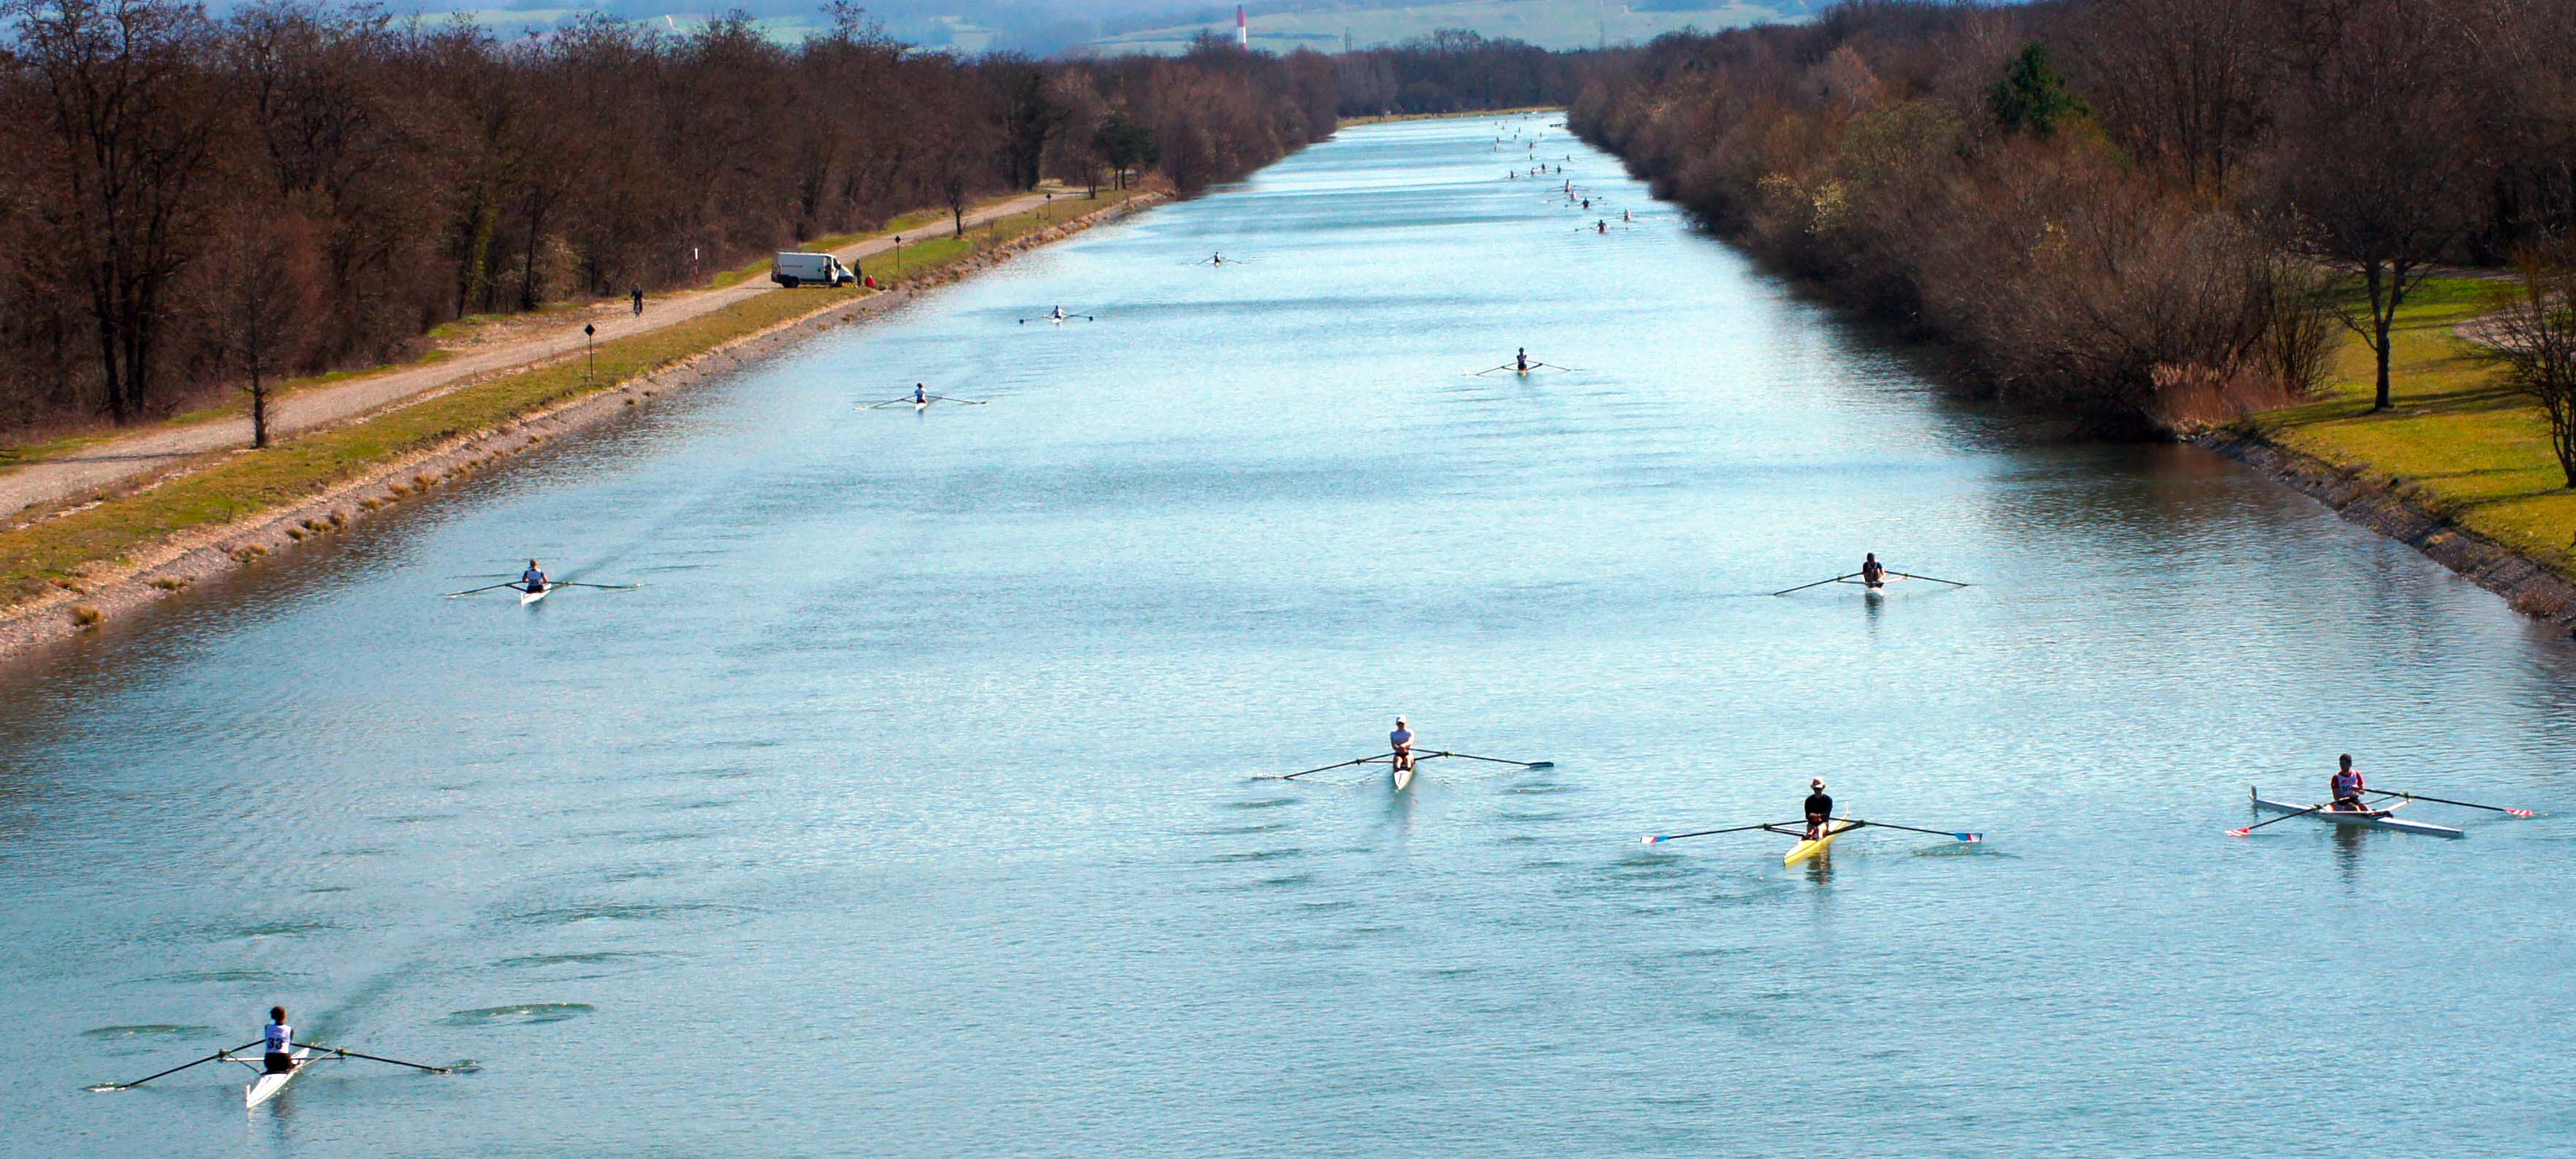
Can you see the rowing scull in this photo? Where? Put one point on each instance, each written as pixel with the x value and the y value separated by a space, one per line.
pixel 1816 848
pixel 266 1086
pixel 2375 819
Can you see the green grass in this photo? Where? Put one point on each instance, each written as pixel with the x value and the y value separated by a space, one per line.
pixel 2455 443
pixel 34 558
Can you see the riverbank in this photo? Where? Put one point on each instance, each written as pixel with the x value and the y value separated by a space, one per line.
pixel 2458 468
pixel 70 570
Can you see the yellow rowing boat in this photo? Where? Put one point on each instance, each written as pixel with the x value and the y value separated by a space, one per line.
pixel 1816 848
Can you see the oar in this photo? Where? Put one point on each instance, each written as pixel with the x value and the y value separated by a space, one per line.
pixel 1551 364
pixel 1325 768
pixel 1712 832
pixel 485 588
pixel 1817 584
pixel 602 587
pixel 958 401
pixel 1934 578
pixel 218 1056
pixel 2279 819
pixel 1496 760
pixel 372 1057
pixel 1934 832
pixel 890 402
pixel 1488 370
pixel 2447 801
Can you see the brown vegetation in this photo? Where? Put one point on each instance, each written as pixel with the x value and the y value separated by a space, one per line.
pixel 196 202
pixel 2118 209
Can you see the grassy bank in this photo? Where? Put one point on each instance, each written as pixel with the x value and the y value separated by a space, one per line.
pixel 2455 445
pixel 40 558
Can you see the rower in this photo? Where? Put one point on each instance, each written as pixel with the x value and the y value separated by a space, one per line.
pixel 1602 226
pixel 1872 572
pixel 1820 810
pixel 1401 740
pixel 921 394
pixel 277 1042
pixel 2347 787
pixel 1520 361
pixel 534 579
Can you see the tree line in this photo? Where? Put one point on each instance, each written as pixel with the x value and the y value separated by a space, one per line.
pixel 196 201
pixel 2137 212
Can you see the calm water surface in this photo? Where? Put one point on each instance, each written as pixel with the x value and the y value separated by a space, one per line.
pixel 909 810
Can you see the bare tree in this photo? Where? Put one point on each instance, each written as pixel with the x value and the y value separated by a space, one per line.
pixel 2373 160
pixel 2533 337
pixel 262 298
pixel 122 83
pixel 2181 80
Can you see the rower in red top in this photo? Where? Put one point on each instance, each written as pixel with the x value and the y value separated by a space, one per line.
pixel 2347 787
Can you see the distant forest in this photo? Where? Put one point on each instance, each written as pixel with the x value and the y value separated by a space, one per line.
pixel 294 187
pixel 2143 213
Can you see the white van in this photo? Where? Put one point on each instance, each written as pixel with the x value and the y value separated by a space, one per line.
pixel 793 270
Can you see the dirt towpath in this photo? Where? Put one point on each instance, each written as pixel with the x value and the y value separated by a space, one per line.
pixel 139 456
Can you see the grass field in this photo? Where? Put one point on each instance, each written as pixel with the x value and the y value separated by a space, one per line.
pixel 35 559
pixel 2455 444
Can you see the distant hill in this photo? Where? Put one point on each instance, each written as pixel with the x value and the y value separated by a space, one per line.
pixel 1047 27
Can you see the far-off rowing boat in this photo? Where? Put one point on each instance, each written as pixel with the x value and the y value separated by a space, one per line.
pixel 2374 819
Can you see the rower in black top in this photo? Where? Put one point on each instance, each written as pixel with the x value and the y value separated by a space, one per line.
pixel 1820 810
pixel 1872 573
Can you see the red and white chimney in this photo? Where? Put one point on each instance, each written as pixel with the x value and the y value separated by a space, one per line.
pixel 1242 28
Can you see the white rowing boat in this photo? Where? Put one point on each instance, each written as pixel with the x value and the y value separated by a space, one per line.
pixel 528 597
pixel 2374 819
pixel 266 1086
pixel 1403 778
